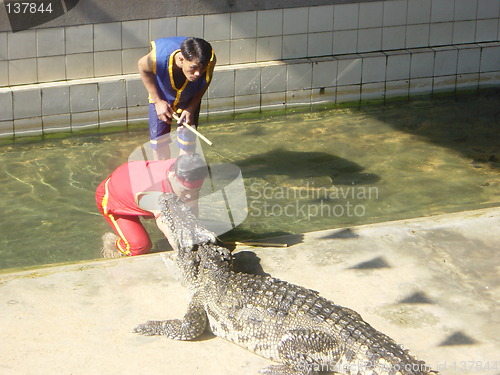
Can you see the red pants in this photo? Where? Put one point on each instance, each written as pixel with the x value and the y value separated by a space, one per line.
pixel 134 240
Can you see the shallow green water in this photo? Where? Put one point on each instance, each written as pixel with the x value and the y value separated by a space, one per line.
pixel 302 172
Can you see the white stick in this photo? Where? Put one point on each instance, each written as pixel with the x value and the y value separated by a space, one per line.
pixel 193 130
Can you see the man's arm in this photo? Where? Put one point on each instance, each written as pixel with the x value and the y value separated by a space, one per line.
pixel 163 109
pixel 187 114
pixel 164 228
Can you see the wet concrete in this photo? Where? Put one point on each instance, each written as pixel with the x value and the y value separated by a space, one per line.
pixel 433 284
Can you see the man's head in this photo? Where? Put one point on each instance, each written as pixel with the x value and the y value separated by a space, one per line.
pixel 195 56
pixel 187 176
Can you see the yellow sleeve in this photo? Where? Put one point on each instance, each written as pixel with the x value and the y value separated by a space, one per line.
pixel 153 55
pixel 211 67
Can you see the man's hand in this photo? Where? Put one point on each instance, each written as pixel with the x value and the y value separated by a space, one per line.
pixel 164 111
pixel 186 117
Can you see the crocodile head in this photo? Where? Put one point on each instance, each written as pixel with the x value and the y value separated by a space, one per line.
pixel 182 226
pixel 196 247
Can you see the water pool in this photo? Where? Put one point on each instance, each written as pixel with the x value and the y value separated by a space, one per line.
pixel 302 172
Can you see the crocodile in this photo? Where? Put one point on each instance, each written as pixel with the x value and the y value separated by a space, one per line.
pixel 295 327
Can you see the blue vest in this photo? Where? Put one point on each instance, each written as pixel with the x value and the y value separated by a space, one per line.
pixel 162 53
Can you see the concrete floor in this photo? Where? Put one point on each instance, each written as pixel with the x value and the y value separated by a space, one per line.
pixel 433 284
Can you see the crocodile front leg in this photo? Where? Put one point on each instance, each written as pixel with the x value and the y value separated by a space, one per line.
pixel 305 352
pixel 190 327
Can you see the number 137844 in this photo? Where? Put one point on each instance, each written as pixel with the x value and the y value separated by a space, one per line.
pixel 28 8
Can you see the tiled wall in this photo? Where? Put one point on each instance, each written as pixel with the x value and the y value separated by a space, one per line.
pixel 79 76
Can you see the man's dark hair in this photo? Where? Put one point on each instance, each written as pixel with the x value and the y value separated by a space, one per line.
pixel 196 48
pixel 190 167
